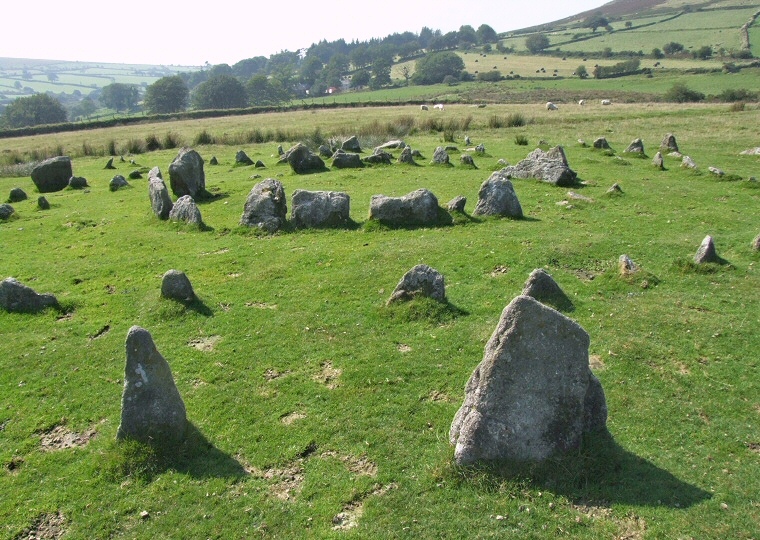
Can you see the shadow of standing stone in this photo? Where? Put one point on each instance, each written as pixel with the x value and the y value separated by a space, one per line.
pixel 533 395
pixel 152 411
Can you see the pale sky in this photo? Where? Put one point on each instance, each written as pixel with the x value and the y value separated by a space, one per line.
pixel 227 31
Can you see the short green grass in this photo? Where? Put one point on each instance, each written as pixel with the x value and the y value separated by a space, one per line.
pixel 314 406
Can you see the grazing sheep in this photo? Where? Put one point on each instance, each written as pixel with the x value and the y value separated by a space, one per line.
pixel 423 107
pixel 606 102
pixel 582 102
pixel 551 106
pixel 438 106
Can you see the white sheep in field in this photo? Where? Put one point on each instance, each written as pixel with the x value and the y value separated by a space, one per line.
pixel 551 106
pixel 606 102
pixel 438 106
pixel 582 102
pixel 423 107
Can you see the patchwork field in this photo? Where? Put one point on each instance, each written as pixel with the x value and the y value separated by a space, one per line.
pixel 317 411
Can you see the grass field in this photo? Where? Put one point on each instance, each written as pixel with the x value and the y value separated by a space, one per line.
pixel 316 411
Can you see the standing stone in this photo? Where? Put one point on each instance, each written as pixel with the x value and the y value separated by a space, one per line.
pixel 419 207
pixel 78 182
pixel 541 286
pixel 186 210
pixel 480 149
pixel 421 280
pixel 320 209
pixel 175 285
pixel 186 175
pixel 658 161
pixel 109 164
pixel 669 143
pixel 280 151
pixel 601 144
pixel 706 252
pixel 626 266
pixel 213 161
pixel 550 166
pixel 396 143
pixel 135 175
pixel 716 171
pixel 344 160
pixel 379 157
pixel 406 156
pixel 266 207
pixel 440 157
pixel 688 163
pixel 6 211
pixel 160 201
pixel 152 411
pixel 615 189
pixel 304 161
pixel 259 164
pixel 325 151
pixel 42 203
pixel 497 197
pixel 533 395
pixel 352 145
pixel 241 158
pixel 17 195
pixel 457 204
pixel 636 147
pixel 467 161
pixel 52 174
pixel 756 243
pixel 18 298
pixel 117 182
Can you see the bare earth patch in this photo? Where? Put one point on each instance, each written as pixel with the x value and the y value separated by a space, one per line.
pixel 500 270
pixel 272 374
pixel 14 465
pixel 45 527
pixel 349 517
pixel 292 417
pixel 328 376
pixel 205 343
pixel 404 348
pixel 60 437
pixel 361 465
pixel 596 363
pixel 630 527
pixel 435 395
pixel 286 482
pixel 260 305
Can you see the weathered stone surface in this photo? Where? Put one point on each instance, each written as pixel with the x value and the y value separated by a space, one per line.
pixel 175 285
pixel 706 252
pixel 213 161
pixel 541 286
pixel 575 196
pixel 480 149
pixel 601 144
pixel 419 207
pixel 421 280
pixel 406 156
pixel 17 195
pixel 533 395
pixel 688 163
pixel 304 161
pixel 109 164
pixel 756 243
pixel 6 211
pixel 497 197
pixel 135 175
pixel 259 164
pixel 467 161
pixel 78 182
pixel 42 203
pixel 152 410
pixel 457 204
pixel 320 208
pixel 615 189
pixel 416 154
pixel 266 207
pixel 636 147
pixel 440 157
pixel 160 201
pixel 344 160
pixel 626 266
pixel 186 175
pixel 669 143
pixel 52 174
pixel 379 158
pixel 241 158
pixel 185 209
pixel 658 162
pixel 550 166
pixel 325 151
pixel 117 182
pixel 18 298
pixel 716 171
pixel 352 145
pixel 751 151
pixel 397 143
pixel 280 151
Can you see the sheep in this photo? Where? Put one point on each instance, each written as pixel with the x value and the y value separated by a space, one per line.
pixel 423 107
pixel 582 102
pixel 606 102
pixel 551 106
pixel 438 106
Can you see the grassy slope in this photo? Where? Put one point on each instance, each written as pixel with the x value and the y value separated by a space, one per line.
pixel 679 356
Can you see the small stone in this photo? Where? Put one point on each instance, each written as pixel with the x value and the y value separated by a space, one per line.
pixel 144 514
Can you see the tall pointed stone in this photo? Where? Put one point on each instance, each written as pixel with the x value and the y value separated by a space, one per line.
pixel 152 411
pixel 541 286
pixel 706 252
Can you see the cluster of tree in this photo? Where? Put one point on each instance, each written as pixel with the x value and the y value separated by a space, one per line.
pixel 627 67
pixel 597 20
pixel 33 110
